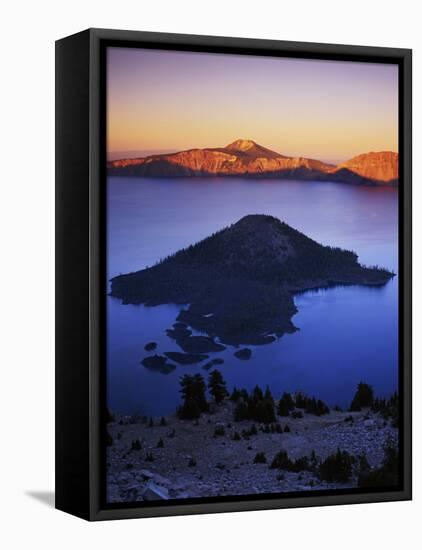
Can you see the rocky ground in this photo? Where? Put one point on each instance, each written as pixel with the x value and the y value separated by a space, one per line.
pixel 185 458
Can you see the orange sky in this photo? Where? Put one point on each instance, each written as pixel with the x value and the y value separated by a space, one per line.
pixel 162 100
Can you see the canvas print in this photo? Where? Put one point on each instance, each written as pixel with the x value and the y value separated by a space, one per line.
pixel 252 276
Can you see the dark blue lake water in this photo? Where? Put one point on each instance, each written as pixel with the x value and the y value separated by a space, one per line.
pixel 347 334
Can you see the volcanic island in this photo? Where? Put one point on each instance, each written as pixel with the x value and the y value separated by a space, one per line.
pixel 236 287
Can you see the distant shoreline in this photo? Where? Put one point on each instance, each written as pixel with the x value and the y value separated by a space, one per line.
pixel 246 158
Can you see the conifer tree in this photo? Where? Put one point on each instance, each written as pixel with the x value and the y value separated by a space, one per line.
pixel 364 397
pixel 268 394
pixel 193 393
pixel 285 405
pixel 217 386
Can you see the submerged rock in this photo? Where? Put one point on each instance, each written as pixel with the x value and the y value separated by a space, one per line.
pixel 208 365
pixel 192 344
pixel 178 333
pixel 180 325
pixel 262 339
pixel 150 346
pixel 212 363
pixel 244 353
pixel 167 368
pixel 158 363
pixel 185 358
pixel 200 344
pixel 154 361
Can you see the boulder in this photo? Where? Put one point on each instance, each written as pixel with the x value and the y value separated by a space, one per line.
pixel 146 474
pixel 154 492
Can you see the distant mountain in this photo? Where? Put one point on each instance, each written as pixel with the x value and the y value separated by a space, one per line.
pixel 239 281
pixel 248 158
pixel 381 167
pixel 249 148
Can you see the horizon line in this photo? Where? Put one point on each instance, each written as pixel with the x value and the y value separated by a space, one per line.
pixel 146 152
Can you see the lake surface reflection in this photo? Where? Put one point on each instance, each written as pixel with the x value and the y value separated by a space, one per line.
pixel 347 334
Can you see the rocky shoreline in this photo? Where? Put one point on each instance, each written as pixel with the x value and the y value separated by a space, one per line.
pixel 169 458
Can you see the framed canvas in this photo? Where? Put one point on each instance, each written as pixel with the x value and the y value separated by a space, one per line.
pixel 233 274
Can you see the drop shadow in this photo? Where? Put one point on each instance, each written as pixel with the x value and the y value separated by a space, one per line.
pixel 45 497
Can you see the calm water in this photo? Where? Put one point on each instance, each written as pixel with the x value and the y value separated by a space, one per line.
pixel 347 334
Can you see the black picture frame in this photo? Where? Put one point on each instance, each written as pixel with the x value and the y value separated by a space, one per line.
pixel 80 265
